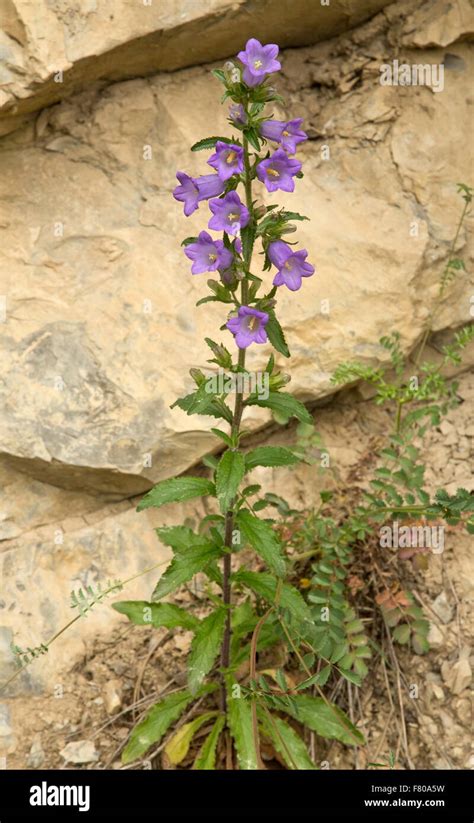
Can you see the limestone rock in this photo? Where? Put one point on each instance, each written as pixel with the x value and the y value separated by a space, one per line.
pixel 50 49
pixel 80 751
pixel 113 696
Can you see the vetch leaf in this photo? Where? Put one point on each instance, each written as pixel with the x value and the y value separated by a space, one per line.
pixel 206 759
pixel 183 567
pixel 142 613
pixel 263 539
pixel 229 474
pixel 174 490
pixel 270 456
pixel 205 647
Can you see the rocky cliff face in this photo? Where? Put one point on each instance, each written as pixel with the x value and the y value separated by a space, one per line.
pixel 100 327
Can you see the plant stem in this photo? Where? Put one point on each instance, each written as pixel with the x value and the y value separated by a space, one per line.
pixel 235 430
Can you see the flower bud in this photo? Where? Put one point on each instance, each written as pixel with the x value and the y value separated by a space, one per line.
pixel 197 376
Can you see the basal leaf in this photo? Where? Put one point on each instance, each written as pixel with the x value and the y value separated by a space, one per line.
pixel 325 719
pixel 155 724
pixel 178 745
pixel 288 743
pixel 239 718
pixel 206 759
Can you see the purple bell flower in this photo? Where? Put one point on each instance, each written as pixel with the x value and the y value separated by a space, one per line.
pixel 287 133
pixel 248 326
pixel 229 214
pixel 187 192
pixel 194 189
pixel 278 171
pixel 228 159
pixel 258 61
pixel 292 266
pixel 208 254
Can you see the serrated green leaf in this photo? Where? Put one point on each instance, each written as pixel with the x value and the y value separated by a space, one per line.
pixel 229 474
pixel 152 728
pixel 179 538
pixel 175 490
pixel 319 679
pixel 184 566
pixel 205 647
pixel 270 456
pixel 265 584
pixel 142 613
pixel 178 745
pixel 206 759
pixel 325 719
pixel 276 335
pixel 283 404
pixel 288 743
pixel 239 718
pixel 260 535
pixel 209 143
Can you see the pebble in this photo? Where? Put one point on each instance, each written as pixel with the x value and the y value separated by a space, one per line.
pixel 36 754
pixel 435 637
pixel 80 751
pixel 113 696
pixel 442 608
pixel 8 741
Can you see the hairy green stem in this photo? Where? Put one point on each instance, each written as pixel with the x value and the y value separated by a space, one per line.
pixel 235 430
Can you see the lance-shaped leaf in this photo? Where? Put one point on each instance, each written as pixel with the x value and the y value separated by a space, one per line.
pixel 283 404
pixel 265 585
pixel 179 538
pixel 276 335
pixel 178 745
pixel 322 717
pixel 210 142
pixel 174 490
pixel 239 718
pixel 142 613
pixel 206 759
pixel 287 742
pixel 155 724
pixel 270 456
pixel 205 647
pixel 184 566
pixel 263 539
pixel 229 474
